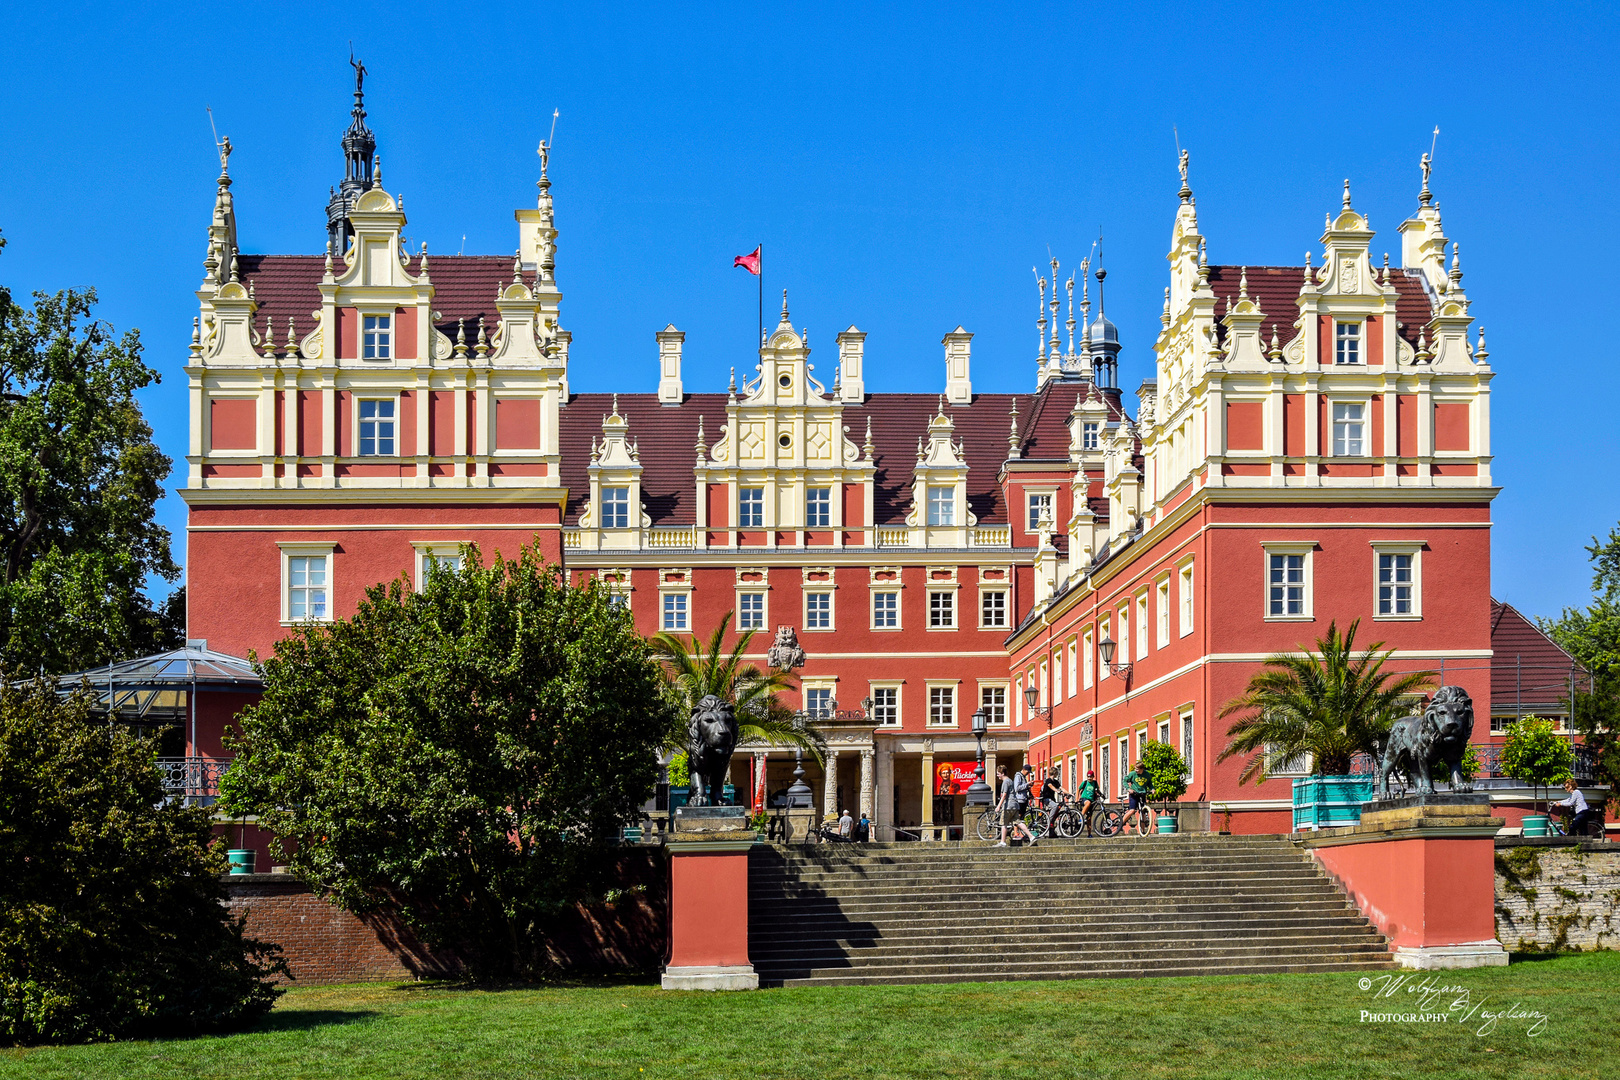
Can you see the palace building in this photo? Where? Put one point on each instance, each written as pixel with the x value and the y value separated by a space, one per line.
pixel 1313 447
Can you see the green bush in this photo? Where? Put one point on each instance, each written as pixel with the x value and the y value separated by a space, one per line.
pixel 1166 770
pixel 679 772
pixel 111 916
pixel 1537 755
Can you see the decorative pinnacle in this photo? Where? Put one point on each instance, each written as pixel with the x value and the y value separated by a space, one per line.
pixel 1347 193
pixel 234 277
pixel 196 330
pixel 376 170
pixel 292 338
pixel 461 337
pixel 868 447
pixel 422 266
pixel 732 388
pixel 1186 192
pixel 615 404
pixel 517 267
pixel 702 445
pixel 1275 352
pixel 1455 275
pixel 483 339
pixel 1479 350
pixel 784 308
pixel 1386 269
pixel 1012 436
pixel 1426 163
pixel 1164 316
pixel 1243 285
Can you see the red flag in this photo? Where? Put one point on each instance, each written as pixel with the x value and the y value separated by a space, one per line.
pixel 749 262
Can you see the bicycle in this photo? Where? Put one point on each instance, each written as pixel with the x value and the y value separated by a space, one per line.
pixel 1110 820
pixel 1067 820
pixel 1035 817
pixel 1561 825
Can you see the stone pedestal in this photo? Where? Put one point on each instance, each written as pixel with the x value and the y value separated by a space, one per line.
pixel 1422 869
pixel 798 825
pixel 708 900
pixel 970 820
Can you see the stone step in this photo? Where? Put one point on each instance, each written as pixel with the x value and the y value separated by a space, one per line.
pixel 1343 939
pixel 1050 884
pixel 1300 964
pixel 1146 930
pixel 1025 966
pixel 1096 905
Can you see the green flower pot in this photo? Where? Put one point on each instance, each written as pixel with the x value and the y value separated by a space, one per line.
pixel 1537 825
pixel 1167 823
pixel 241 860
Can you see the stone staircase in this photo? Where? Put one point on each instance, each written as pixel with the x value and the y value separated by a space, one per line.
pixel 1193 904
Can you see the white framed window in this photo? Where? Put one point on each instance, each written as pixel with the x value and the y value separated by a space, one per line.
pixel 1347 343
pixel 1398 592
pixel 886 705
pixel 941 609
pixel 675 605
pixel 1124 764
pixel 1187 742
pixel 751 611
pixel 1124 640
pixel 619 600
pixel 306 588
pixel 1086 766
pixel 818 701
pixel 817 507
pixel 1185 586
pixel 941 505
pixel 434 557
pixel 1141 626
pixel 885 610
pixel 1088 654
pixel 750 508
pixel 1045 698
pixel 1277 765
pixel 1091 435
pixel 1040 507
pixel 1163 601
pixel 818 611
pixel 1164 732
pixel 1349 429
pixel 1102 770
pixel 1288 580
pixel 993 608
pixel 1105 631
pixel 1073 665
pixel 993 700
pixel 942 706
pixel 378 337
pixel 1018 702
pixel 615 508
pixel 376 427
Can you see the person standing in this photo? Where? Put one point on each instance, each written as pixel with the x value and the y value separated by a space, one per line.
pixel 846 825
pixel 1007 807
pixel 1137 782
pixel 1090 795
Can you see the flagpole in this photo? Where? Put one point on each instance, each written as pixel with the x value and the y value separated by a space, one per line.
pixel 762 294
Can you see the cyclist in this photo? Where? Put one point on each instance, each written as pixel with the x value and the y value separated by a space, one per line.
pixel 1089 795
pixel 1137 785
pixel 1051 790
pixel 1581 814
pixel 1010 810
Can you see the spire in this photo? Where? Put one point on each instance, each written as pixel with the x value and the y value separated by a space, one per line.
pixel 1055 305
pixel 1012 436
pixel 359 165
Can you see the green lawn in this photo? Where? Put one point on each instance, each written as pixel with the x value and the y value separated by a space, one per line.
pixel 1282 1026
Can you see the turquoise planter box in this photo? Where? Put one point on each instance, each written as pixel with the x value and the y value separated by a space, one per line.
pixel 1537 825
pixel 1330 802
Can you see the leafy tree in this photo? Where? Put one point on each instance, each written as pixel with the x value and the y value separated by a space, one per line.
pixel 79 478
pixel 1332 704
pixel 111 921
pixel 1167 772
pixel 462 758
pixel 701 668
pixel 1535 753
pixel 1592 636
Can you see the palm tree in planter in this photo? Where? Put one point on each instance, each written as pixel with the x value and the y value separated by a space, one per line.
pixel 696 669
pixel 1331 704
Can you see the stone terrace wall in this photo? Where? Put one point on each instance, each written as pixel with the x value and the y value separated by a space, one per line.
pixel 1557 894
pixel 324 944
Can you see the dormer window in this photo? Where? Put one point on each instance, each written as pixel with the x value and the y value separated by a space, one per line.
pixel 941 506
pixel 1040 506
pixel 1090 435
pixel 615 508
pixel 1347 343
pixel 377 427
pixel 378 341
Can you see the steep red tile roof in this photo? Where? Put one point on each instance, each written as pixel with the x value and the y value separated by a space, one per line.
pixel 1529 672
pixel 464 287
pixel 1276 290
pixel 665 437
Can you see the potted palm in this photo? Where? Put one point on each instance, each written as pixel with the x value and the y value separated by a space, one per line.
pixel 1167 780
pixel 1535 754
pixel 696 668
pixel 1325 706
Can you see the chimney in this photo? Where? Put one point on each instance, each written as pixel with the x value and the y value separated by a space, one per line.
pixel 669 365
pixel 958 347
pixel 851 356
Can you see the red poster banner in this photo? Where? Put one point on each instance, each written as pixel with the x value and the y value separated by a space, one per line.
pixel 953 777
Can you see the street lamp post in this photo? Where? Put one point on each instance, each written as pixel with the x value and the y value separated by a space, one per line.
pixel 1106 648
pixel 1032 698
pixel 978 792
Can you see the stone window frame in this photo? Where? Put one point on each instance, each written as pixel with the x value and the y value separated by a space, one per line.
pixel 302 550
pixel 1306 548
pixel 954 686
pixel 1006 705
pixel 1414 548
pixel 434 549
pixel 897 686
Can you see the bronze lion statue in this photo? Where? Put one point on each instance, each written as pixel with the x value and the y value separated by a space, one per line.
pixel 1439 736
pixel 710 739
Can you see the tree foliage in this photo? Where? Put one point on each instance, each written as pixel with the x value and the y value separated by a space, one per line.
pixel 1535 753
pixel 698 668
pixel 1592 636
pixel 111 921
pixel 1167 772
pixel 79 479
pixel 462 758
pixel 1332 704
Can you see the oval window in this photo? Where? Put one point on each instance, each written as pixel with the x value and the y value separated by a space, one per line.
pixel 784 441
pixel 784 381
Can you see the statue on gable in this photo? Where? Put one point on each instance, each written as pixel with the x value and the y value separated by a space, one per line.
pixel 785 653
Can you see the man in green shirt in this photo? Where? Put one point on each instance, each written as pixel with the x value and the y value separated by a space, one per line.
pixel 1089 795
pixel 1137 788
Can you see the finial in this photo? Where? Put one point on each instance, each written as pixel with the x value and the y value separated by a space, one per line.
pixel 376 170
pixel 1203 263
pixel 292 338
pixel 196 331
pixel 1164 316
pixel 784 306
pixel 1455 275
pixel 615 404
pixel 517 267
pixel 1275 352
pixel 867 446
pixel 1069 322
pixel 251 295
pixel 1426 162
pixel 1182 161
pixel 1012 434
pixel 1423 353
pixel 328 266
pixel 483 339
pixel 461 337
pixel 1347 193
pixel 1479 350
pixel 732 388
pixel 1386 269
pixel 1243 284
pixel 234 277
pixel 702 446
pixel 941 405
pixel 422 267
pixel 1041 322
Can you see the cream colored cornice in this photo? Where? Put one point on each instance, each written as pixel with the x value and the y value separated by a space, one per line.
pixel 263 498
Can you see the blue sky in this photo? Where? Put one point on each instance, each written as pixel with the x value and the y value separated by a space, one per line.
pixel 904 166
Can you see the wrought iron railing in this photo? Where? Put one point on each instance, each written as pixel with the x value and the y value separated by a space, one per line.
pixel 1490 763
pixel 192 777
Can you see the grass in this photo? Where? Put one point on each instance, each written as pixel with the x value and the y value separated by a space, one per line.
pixel 1202 1029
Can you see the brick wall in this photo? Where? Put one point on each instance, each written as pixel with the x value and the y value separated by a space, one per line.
pixel 1557 894
pixel 322 943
